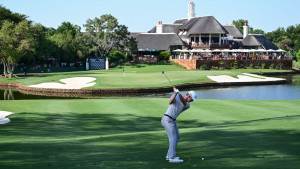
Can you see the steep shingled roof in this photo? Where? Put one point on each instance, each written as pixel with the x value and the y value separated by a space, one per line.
pixel 158 41
pixel 203 25
pixel 259 40
pixel 233 31
pixel 181 21
pixel 134 34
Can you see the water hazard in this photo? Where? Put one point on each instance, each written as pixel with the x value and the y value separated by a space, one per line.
pixel 288 91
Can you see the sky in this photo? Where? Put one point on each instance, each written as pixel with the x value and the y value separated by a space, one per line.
pixel 143 15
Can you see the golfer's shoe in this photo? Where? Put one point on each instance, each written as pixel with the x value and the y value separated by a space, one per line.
pixel 175 160
pixel 167 158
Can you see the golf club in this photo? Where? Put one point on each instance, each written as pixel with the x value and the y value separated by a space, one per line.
pixel 163 72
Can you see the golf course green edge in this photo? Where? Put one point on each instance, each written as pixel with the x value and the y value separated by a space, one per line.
pixel 45 91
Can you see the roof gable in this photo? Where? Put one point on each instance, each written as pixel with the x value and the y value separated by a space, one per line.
pixel 204 25
pixel 158 41
pixel 259 40
pixel 233 31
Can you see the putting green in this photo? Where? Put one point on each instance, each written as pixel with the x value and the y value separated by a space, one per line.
pixel 137 76
pixel 126 133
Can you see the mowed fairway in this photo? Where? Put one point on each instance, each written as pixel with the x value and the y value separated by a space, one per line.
pixel 127 133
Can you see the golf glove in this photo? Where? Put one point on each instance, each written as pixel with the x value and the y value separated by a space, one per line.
pixel 177 91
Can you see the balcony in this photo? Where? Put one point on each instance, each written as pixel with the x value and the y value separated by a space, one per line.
pixel 212 46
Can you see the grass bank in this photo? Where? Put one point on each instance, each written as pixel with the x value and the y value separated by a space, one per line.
pixel 137 76
pixel 94 133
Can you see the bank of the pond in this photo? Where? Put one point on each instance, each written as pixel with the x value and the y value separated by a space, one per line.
pixel 32 90
pixel 135 79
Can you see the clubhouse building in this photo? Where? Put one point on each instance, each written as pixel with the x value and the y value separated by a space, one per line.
pixel 204 38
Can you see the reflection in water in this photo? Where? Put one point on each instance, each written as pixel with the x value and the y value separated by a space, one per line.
pixel 8 95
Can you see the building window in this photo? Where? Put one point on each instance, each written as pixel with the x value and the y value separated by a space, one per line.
pixel 192 39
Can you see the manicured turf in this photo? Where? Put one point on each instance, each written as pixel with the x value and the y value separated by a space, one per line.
pixel 127 133
pixel 138 76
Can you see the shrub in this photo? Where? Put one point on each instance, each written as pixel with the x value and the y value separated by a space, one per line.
pixel 272 66
pixel 279 67
pixel 116 56
pixel 215 68
pixel 164 56
pixel 221 63
pixel 263 65
pixel 204 67
pixel 235 65
pixel 251 66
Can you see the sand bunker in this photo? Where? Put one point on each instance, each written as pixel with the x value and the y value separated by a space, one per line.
pixel 69 83
pixel 3 118
pixel 246 77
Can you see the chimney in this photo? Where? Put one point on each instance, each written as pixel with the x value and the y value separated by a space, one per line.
pixel 159 27
pixel 191 10
pixel 245 30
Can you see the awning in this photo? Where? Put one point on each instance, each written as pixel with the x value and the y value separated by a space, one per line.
pixel 280 50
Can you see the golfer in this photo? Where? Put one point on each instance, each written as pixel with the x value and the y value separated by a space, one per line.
pixel 177 104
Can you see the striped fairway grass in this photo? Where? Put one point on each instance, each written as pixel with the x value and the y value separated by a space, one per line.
pixel 127 133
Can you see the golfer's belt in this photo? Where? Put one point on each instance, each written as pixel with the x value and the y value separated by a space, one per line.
pixel 170 117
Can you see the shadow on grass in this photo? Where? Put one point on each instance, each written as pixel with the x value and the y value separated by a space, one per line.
pixel 70 140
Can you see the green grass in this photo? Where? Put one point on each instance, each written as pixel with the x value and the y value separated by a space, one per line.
pixel 127 133
pixel 138 76
pixel 296 64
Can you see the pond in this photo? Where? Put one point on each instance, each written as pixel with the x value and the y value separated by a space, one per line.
pixel 288 91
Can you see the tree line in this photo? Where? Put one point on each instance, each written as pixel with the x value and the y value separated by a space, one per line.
pixel 22 41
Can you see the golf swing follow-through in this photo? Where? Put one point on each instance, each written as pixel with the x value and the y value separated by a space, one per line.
pixel 177 104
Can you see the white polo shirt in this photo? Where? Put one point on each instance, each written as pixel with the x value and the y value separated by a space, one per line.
pixel 176 107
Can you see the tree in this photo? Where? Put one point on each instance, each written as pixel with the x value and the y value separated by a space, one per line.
pixel 107 33
pixel 64 39
pixel 285 44
pixel 6 14
pixel 257 31
pixel 16 40
pixel 85 45
pixel 240 23
pixel 131 48
pixel 278 35
pixel 286 39
pixel 298 55
pixel 68 28
pixel 44 47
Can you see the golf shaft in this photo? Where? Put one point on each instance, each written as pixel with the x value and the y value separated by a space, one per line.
pixel 168 79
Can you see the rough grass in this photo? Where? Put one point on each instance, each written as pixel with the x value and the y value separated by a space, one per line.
pixel 138 76
pixel 127 133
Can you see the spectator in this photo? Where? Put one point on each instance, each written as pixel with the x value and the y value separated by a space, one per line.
pixel 25 71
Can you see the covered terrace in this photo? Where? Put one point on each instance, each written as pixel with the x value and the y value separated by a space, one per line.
pixel 227 54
